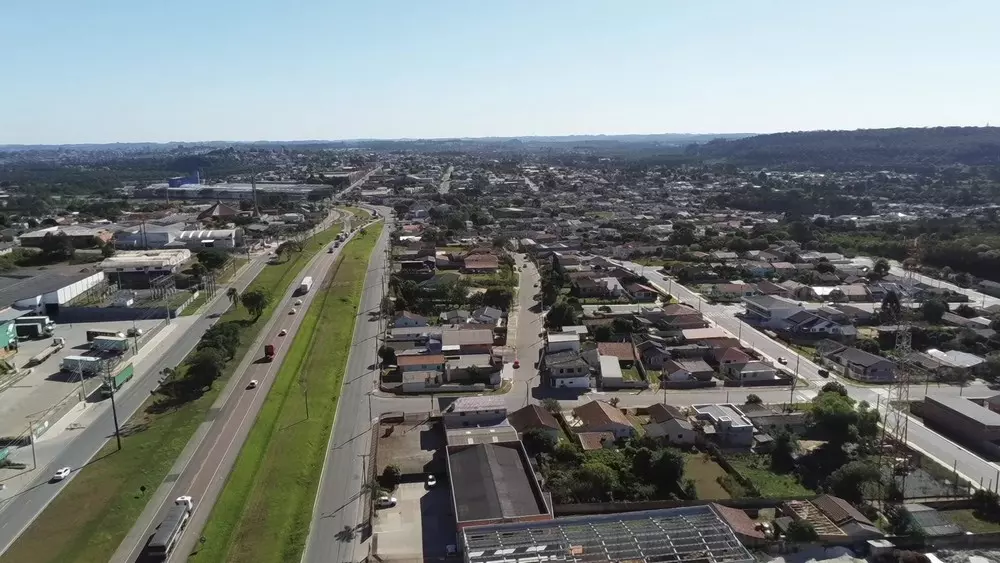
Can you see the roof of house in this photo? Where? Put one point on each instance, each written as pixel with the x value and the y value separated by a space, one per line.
pixel 729 355
pixel 966 408
pixel 738 520
pixel 419 359
pixel 771 302
pixel 599 413
pixel 621 350
pixel 412 316
pixel 661 412
pixel 461 337
pixel 492 481
pixel 839 510
pixel 679 309
pixel 532 416
pixel 492 312
pixel 860 357
pixel 477 403
pixel 594 440
pixel 564 358
pixel 481 261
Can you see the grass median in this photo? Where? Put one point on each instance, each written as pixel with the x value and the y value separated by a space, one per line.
pixel 94 512
pixel 264 511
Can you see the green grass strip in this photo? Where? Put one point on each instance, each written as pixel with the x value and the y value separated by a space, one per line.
pixel 91 516
pixel 265 509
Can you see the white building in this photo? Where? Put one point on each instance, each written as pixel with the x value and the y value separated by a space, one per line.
pixel 562 341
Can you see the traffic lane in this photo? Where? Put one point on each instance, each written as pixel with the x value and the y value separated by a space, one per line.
pixel 21 511
pixel 202 485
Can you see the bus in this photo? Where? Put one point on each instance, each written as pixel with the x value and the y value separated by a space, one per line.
pixel 92 334
pixel 170 529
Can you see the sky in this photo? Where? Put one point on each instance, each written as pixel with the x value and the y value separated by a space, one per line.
pixel 94 71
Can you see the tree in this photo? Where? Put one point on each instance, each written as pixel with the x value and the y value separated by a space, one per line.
pixel 614 402
pixel 107 250
pixel 387 307
pixel 388 356
pixel 603 334
pixel 213 258
pixel 825 268
pixel 255 302
pixel 834 387
pixel 891 307
pixel 199 270
pixel 391 476
pixel 868 345
pixel 233 295
pixel 58 246
pixel 801 531
pixel 783 452
pixel 965 311
pixel 205 367
pixel 881 268
pixel 753 399
pixel 562 314
pixel 538 441
pixel 933 310
pixel 551 405
pixel 224 337
pixel 668 469
pixel 851 481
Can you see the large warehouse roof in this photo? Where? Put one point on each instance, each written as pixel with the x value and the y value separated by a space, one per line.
pixel 676 535
pixel 966 408
pixel 25 284
pixel 493 481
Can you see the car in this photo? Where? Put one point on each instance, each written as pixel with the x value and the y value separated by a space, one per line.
pixel 385 501
pixel 823 373
pixel 330 250
pixel 431 480
pixel 283 332
pixel 252 384
pixel 292 312
pixel 298 302
pixel 782 360
pixel 517 364
pixel 62 474
pixel 536 284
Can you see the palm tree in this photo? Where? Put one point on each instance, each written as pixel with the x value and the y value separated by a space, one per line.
pixel 234 297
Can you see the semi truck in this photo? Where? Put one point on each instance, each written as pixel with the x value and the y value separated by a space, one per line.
pixel 92 334
pixel 58 343
pixel 170 529
pixel 306 285
pixel 88 365
pixel 269 352
pixel 115 382
pixel 116 344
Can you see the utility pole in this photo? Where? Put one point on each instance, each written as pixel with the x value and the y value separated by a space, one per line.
pixel 31 436
pixel 114 408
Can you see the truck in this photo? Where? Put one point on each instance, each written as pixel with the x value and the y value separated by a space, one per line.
pixel 306 285
pixel 58 343
pixel 170 529
pixel 115 382
pixel 269 352
pixel 88 365
pixel 116 344
pixel 34 327
pixel 92 334
pixel 30 332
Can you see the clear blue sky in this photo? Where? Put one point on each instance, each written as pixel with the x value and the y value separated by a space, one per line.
pixel 134 70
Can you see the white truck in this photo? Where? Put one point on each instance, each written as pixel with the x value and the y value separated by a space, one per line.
pixel 89 365
pixel 117 344
pixel 306 285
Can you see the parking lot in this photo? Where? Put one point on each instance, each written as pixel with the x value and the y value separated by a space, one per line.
pixel 419 527
pixel 417 447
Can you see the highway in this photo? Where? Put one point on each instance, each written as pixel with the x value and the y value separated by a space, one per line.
pixel 919 437
pixel 445 185
pixel 338 501
pixel 217 443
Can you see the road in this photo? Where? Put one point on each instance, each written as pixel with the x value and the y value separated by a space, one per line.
pixel 919 437
pixel 526 327
pixel 531 185
pixel 445 185
pixel 217 442
pixel 338 502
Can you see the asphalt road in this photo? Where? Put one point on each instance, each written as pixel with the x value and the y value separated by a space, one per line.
pixel 445 185
pixel 205 473
pixel 919 437
pixel 23 509
pixel 338 502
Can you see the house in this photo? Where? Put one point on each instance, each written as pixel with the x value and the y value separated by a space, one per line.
pixel 957 360
pixel 455 316
pixel 766 287
pixel 471 341
pixel 560 341
pixel 473 368
pixel 567 369
pixel 481 264
pixel 613 287
pixel 610 372
pixel 407 319
pixel 731 292
pixel 669 423
pixel 863 366
pixel 653 354
pixel 475 411
pixel 989 287
pixel 587 286
pixel 624 351
pixel 807 324
pixel 767 420
pixel 487 315
pixel 590 441
pixel 725 355
pixel 749 372
pixel 420 362
pixel 833 518
pixel 746 529
pixel 770 310
pixel 686 370
pixel 534 417
pixel 726 425
pixel 722 255
pixel 798 290
pixel 598 416
pixel 642 293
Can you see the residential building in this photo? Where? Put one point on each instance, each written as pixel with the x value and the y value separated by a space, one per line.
pixel 773 422
pixel 455 316
pixel 750 372
pixel 561 341
pixel 481 264
pixel 475 411
pixel 420 362
pixel 669 423
pixel 686 369
pixel 487 315
pixel 863 366
pixel 407 319
pixel 471 341
pixel 731 292
pixel 567 369
pixel 726 425
pixel 534 417
pixel 642 293
pixel 599 416
pixel 652 354
pixel 770 310
pixel 961 417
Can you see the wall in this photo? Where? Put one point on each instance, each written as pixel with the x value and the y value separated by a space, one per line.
pixel 66 294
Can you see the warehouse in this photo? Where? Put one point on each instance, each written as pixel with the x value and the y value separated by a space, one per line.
pixel 44 291
pixel 135 269
pixel 220 238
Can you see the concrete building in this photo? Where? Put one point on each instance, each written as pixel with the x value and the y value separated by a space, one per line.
pixel 567 369
pixel 135 269
pixel 45 291
pixel 534 417
pixel 475 411
pixel 770 310
pixel 560 342
pixel 864 366
pixel 220 238
pixel 726 424
pixel 81 236
pixel 407 319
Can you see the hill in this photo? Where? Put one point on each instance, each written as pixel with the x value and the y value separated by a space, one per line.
pixel 901 148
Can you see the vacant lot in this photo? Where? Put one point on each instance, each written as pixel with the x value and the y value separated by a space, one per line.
pixel 970 522
pixel 265 508
pixel 89 519
pixel 757 469
pixel 706 474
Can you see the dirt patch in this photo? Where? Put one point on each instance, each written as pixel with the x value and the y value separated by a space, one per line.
pixel 417 447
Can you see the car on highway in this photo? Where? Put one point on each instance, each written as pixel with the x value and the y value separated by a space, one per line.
pixel 283 332
pixel 252 384
pixel 298 302
pixel 329 250
pixel 517 364
pixel 61 474
pixel 431 480
pixel 782 360
pixel 385 501
pixel 823 373
pixel 215 315
pixel 292 312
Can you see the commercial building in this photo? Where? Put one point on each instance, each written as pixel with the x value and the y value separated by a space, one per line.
pixel 770 310
pixel 235 191
pixel 45 291
pixel 494 482
pixel 221 238
pixel 134 269
pixel 962 417
pixel 692 534
pixel 81 236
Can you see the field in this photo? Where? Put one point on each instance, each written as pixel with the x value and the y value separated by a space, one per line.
pixel 967 519
pixel 705 473
pixel 92 515
pixel 631 374
pixel 265 508
pixel 770 484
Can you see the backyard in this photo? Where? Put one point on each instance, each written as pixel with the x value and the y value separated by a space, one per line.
pixel 706 474
pixel 757 469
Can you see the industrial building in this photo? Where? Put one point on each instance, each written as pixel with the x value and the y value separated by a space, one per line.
pixel 79 235
pixel 494 482
pixel 45 291
pixel 135 269
pixel 234 192
pixel 693 534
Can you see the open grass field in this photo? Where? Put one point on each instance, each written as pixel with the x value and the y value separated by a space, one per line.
pixel 265 508
pixel 970 522
pixel 705 473
pixel 773 485
pixel 94 512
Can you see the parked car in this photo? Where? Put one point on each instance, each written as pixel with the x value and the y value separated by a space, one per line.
pixel 385 501
pixel 431 480
pixel 61 474
pixel 824 373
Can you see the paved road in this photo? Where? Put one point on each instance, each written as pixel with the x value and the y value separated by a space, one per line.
pixel 445 185
pixel 968 464
pixel 20 511
pixel 338 501
pixel 217 443
pixel 531 185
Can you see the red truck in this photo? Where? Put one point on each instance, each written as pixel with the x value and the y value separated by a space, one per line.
pixel 269 352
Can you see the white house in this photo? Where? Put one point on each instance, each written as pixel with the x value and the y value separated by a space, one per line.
pixel 407 319
pixel 562 341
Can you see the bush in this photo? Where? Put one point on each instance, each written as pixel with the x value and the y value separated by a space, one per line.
pixel 391 476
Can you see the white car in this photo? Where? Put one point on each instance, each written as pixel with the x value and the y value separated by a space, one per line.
pixel 385 501
pixel 292 312
pixel 61 474
pixel 283 332
pixel 298 302
pixel 431 480
pixel 252 384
